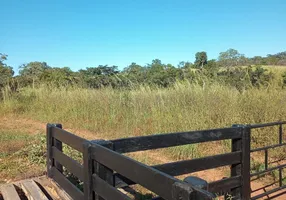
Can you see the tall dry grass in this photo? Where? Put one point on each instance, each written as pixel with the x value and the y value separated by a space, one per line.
pixel 113 113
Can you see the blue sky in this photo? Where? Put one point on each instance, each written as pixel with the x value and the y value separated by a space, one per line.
pixel 81 34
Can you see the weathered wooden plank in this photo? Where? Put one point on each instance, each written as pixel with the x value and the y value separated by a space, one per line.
pixel 225 185
pixel 173 139
pixel 32 191
pixel 107 191
pixel 69 188
pixel 73 166
pixel 68 138
pixel 152 179
pixel 194 165
pixel 9 192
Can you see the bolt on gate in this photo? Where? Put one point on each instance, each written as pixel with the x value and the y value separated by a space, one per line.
pixel 104 166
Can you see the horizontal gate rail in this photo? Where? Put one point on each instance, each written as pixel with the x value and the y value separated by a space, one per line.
pixel 72 165
pixel 268 147
pixel 268 170
pixel 253 126
pixel 68 138
pixel 199 164
pixel 268 192
pixel 133 144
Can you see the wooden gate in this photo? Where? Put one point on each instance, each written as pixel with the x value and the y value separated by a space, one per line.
pixel 104 164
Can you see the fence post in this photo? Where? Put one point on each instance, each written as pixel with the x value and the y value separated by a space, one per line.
pixel 88 171
pixel 59 145
pixel 242 169
pixel 245 173
pixel 49 149
pixel 236 145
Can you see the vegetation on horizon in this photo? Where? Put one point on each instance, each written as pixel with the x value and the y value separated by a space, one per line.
pixel 226 70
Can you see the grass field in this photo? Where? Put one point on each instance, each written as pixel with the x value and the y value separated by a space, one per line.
pixel 108 113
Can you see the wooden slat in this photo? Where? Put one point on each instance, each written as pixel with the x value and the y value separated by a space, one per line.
pixel 225 185
pixel 173 139
pixel 32 191
pixel 64 183
pixel 68 138
pixel 106 191
pixel 73 166
pixel 148 177
pixel 189 166
pixel 9 192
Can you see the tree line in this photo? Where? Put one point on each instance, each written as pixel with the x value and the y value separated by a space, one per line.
pixel 227 69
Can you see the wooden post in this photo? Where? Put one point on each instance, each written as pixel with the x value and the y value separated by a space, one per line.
pixel 49 139
pixel 243 169
pixel 59 145
pixel 245 173
pixel 88 171
pixel 236 145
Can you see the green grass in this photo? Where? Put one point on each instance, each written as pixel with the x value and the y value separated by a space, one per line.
pixel 21 155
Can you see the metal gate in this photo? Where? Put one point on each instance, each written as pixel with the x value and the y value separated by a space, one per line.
pixel 276 187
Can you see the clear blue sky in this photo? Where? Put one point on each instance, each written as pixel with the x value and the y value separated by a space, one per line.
pixel 81 34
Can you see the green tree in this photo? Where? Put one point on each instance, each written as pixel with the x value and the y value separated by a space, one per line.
pixel 230 58
pixel 59 76
pixel 6 72
pixel 201 59
pixel 33 70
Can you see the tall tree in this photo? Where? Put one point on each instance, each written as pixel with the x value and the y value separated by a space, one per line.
pixel 6 72
pixel 201 59
pixel 33 70
pixel 230 58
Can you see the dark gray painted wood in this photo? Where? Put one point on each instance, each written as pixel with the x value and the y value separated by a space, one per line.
pixel 68 138
pixel 173 139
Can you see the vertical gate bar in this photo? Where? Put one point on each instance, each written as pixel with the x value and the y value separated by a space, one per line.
pixel 245 173
pixel 88 171
pixel 280 134
pixel 280 177
pixel 49 150
pixel 266 159
pixel 59 145
pixel 236 145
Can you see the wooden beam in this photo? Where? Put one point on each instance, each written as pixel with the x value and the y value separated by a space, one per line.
pixel 133 144
pixel 32 191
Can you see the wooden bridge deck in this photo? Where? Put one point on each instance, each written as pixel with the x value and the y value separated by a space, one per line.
pixel 40 188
